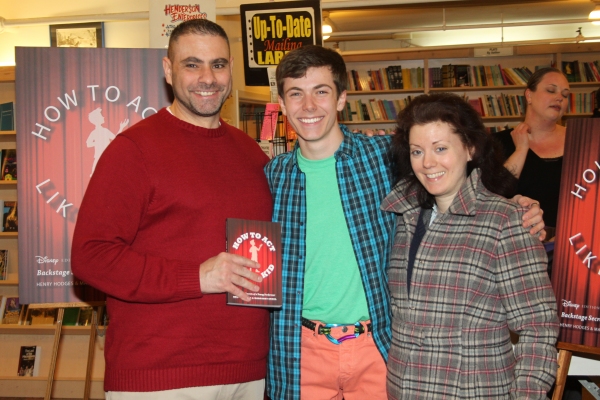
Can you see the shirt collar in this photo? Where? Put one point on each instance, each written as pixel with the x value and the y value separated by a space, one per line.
pixel 347 147
pixel 401 202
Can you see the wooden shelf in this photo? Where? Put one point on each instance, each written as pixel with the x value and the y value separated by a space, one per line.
pixel 377 92
pixel 8 183
pixel 13 282
pixel 8 133
pixel 7 74
pixel 9 234
pixel 387 121
pixel 477 88
pixel 13 329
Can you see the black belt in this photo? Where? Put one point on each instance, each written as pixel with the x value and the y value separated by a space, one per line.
pixel 323 330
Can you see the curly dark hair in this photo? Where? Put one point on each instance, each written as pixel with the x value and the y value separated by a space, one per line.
pixel 467 124
pixel 295 64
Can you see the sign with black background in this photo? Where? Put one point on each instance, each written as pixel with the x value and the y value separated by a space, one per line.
pixel 270 30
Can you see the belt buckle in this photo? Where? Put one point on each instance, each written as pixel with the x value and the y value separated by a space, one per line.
pixel 343 338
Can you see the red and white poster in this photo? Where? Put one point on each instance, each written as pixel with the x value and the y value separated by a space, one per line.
pixel 576 266
pixel 70 104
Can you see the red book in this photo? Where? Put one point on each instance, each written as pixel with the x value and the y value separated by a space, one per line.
pixel 259 241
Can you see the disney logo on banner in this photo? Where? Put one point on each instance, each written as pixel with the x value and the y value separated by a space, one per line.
pixel 45 260
pixel 568 303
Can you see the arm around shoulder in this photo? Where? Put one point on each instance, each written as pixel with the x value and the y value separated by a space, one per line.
pixel 530 303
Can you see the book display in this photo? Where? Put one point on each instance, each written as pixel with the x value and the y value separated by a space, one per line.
pixel 29 361
pixel 493 85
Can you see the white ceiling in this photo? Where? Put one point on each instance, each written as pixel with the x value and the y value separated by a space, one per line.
pixel 386 19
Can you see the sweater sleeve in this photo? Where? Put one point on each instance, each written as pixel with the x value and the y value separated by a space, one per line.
pixel 112 211
pixel 531 309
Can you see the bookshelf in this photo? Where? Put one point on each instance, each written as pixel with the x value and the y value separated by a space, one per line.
pixel 69 377
pixel 525 55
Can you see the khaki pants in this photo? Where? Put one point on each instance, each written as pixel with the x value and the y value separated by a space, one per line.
pixel 240 391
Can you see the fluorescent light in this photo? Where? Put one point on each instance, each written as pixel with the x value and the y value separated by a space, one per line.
pixel 327 31
pixel 595 14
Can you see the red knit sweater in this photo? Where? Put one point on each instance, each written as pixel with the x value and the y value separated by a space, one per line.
pixel 154 210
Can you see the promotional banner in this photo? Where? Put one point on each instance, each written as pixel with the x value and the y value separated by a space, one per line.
pixel 576 267
pixel 70 104
pixel 269 30
pixel 166 15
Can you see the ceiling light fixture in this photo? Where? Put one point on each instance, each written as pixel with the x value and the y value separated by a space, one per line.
pixel 326 31
pixel 595 14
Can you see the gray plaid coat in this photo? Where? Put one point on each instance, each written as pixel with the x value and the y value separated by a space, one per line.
pixel 477 274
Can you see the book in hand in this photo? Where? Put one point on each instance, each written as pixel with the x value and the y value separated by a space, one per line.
pixel 29 361
pixel 259 241
pixel 3 265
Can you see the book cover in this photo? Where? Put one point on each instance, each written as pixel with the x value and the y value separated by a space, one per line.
pixel 85 316
pixel 29 361
pixel 70 316
pixel 3 266
pixel 10 222
pixel 476 104
pixel 259 241
pixel 41 316
pixel 12 311
pixel 7 116
pixel 462 75
pixel 2 307
pixel 269 125
pixel 9 165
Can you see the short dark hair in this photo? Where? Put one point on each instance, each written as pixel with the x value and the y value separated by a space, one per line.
pixel 295 64
pixel 538 75
pixel 203 27
pixel 468 125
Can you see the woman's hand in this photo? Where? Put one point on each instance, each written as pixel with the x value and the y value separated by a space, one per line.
pixel 520 137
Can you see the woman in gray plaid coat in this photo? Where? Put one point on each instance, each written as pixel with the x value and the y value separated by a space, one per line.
pixel 464 272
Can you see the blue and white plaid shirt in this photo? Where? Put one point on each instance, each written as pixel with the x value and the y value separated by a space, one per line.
pixel 364 178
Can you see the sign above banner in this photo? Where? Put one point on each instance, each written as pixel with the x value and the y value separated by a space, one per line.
pixel 166 15
pixel 270 30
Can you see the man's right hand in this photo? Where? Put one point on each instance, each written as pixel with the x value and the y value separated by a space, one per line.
pixel 229 273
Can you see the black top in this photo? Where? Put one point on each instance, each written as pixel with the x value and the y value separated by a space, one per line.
pixel 540 178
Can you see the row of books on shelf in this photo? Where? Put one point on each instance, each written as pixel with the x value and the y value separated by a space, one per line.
pixel 373 109
pixel 14 313
pixel 499 105
pixel 496 105
pixel 390 78
pixel 581 71
pixel 460 75
pixel 582 103
pixel 477 75
pixel 396 77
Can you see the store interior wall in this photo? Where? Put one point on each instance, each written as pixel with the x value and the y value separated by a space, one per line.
pixel 135 33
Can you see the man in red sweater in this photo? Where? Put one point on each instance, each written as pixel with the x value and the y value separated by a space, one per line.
pixel 151 230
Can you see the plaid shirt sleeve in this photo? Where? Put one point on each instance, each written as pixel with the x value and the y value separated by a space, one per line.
pixel 364 180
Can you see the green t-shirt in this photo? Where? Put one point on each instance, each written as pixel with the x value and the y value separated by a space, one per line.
pixel 333 289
